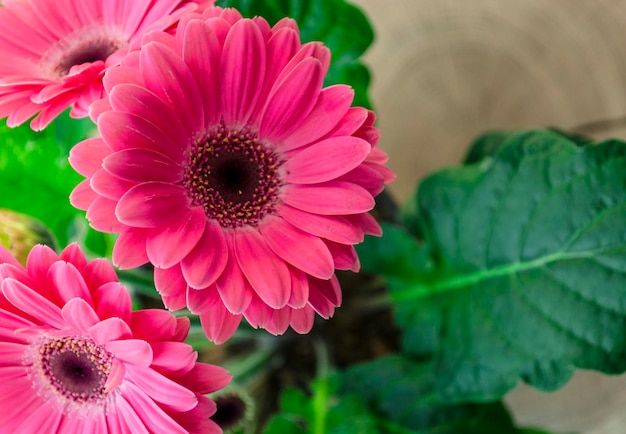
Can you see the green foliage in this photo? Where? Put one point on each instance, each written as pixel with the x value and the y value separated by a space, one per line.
pixel 35 176
pixel 522 267
pixel 340 25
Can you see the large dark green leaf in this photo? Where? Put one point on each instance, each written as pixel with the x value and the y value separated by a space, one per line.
pixel 403 395
pixel 340 25
pixel 529 267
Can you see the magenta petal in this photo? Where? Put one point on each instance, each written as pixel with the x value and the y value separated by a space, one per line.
pixel 111 329
pixel 205 378
pixel 133 351
pixel 218 324
pixel 291 101
pixel 142 165
pixel 130 248
pixel 302 250
pixel 350 123
pixel 115 376
pixel 200 301
pixel 153 324
pixel 153 417
pixel 341 229
pixel 302 319
pixel 32 303
pixel 332 105
pixel 79 314
pixel 170 245
pixel 83 196
pixel 173 357
pixel 166 75
pixel 326 160
pixel 331 198
pixel 299 289
pixel 169 281
pixel 86 157
pixel 152 204
pixel 266 272
pixel 109 186
pixel 242 72
pixel 101 215
pixel 206 261
pixel 345 256
pixel 234 289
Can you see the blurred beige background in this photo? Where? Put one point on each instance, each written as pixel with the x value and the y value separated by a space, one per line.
pixel 445 70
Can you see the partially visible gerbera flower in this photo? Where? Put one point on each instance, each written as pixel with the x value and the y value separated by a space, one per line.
pixel 225 163
pixel 54 52
pixel 76 359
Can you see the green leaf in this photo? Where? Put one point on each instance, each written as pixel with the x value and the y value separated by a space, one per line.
pixel 36 177
pixel 529 276
pixel 403 394
pixel 341 26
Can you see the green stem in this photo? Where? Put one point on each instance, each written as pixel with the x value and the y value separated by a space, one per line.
pixel 320 399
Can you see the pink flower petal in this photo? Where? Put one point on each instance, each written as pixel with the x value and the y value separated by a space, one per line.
pixel 200 301
pixel 206 378
pixel 345 256
pixel 207 260
pixel 130 248
pixel 101 215
pixel 173 357
pixel 299 289
pixel 291 101
pixel 171 244
pixel 329 289
pixel 331 198
pixel 341 229
pixel 131 351
pixel 302 250
pixel 153 324
pixel 350 123
pixel 39 261
pixel 109 186
pixel 79 314
pixel 258 313
pixel 142 165
pixel 302 319
pixel 367 177
pixel 234 289
pixel 83 196
pixel 86 156
pixel 166 75
pixel 266 272
pixel 67 282
pixel 111 329
pixel 242 72
pixel 326 160
pixel 332 105
pixel 169 281
pixel 218 324
pixel 279 322
pixel 152 204
pixel 32 303
pixel 73 254
pixel 116 376
pixel 153 417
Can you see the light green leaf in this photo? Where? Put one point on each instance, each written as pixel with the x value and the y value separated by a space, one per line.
pixel 341 26
pixel 529 276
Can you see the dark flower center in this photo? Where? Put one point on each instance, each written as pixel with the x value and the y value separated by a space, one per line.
pixel 76 368
pixel 231 411
pixel 233 177
pixel 99 48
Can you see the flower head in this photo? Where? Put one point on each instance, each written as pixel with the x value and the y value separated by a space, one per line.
pixel 55 51
pixel 225 164
pixel 76 359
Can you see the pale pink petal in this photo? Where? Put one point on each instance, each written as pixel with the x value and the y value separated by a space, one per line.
pixel 116 376
pixel 110 329
pixel 172 243
pixel 207 260
pixel 68 282
pixel 152 204
pixel 331 198
pixel 86 156
pixel 131 351
pixel 83 196
pixel 152 416
pixel 266 272
pixel 302 250
pixel 79 314
pixel 32 303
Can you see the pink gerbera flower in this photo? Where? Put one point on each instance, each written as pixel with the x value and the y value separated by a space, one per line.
pixel 76 359
pixel 225 164
pixel 54 52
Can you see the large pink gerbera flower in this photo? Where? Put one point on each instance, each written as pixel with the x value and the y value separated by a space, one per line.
pixel 54 52
pixel 76 359
pixel 224 163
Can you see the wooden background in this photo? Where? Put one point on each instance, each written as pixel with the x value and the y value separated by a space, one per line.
pixel 445 70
